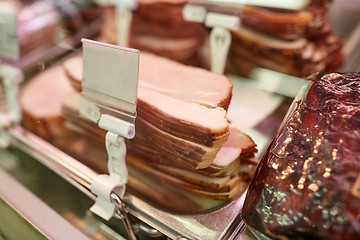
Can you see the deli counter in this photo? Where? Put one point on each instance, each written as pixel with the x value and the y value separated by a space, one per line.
pixel 187 119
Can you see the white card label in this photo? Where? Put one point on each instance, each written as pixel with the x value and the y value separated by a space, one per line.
pixel 110 73
pixel 8 35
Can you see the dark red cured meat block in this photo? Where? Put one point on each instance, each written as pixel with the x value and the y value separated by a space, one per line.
pixel 307 185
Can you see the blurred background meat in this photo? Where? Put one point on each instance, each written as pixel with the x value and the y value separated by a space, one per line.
pixel 159 27
pixel 270 38
pixel 44 24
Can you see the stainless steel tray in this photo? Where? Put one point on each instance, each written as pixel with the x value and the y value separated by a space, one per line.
pixel 221 223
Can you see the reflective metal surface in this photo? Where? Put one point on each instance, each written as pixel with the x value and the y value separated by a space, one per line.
pixel 52 157
pixel 217 224
pixel 21 218
pixel 31 186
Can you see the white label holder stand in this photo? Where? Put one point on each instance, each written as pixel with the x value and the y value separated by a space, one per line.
pixel 110 76
pixel 9 44
pixel 220 36
pixel 11 78
pixel 123 17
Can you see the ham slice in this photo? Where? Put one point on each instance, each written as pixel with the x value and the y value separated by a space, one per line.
pixel 72 72
pixel 238 143
pixel 41 102
pixel 187 83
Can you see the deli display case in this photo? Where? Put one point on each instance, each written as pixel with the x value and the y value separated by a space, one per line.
pixel 199 135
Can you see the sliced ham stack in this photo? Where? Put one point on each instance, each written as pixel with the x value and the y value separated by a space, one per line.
pixel 158 27
pixel 182 134
pixel 297 43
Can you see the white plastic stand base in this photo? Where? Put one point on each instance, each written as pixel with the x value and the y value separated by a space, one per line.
pixel 103 186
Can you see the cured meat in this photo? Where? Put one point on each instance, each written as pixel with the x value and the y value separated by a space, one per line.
pixel 73 72
pixel 224 186
pixel 187 83
pixel 293 42
pixel 182 134
pixel 162 10
pixel 181 50
pixel 237 146
pixel 182 109
pixel 36 24
pixel 307 185
pixel 226 182
pixel 299 57
pixel 173 79
pixel 158 27
pixel 225 179
pixel 288 25
pixel 173 30
pixel 210 188
pixel 181 130
pixel 187 115
pixel 40 101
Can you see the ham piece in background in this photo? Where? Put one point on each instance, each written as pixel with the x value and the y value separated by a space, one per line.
pixel 294 42
pixel 158 27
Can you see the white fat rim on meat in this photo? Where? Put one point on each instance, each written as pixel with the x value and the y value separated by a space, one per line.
pixel 226 155
pixel 232 148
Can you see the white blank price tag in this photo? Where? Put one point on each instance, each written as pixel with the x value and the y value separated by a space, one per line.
pixel 110 75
